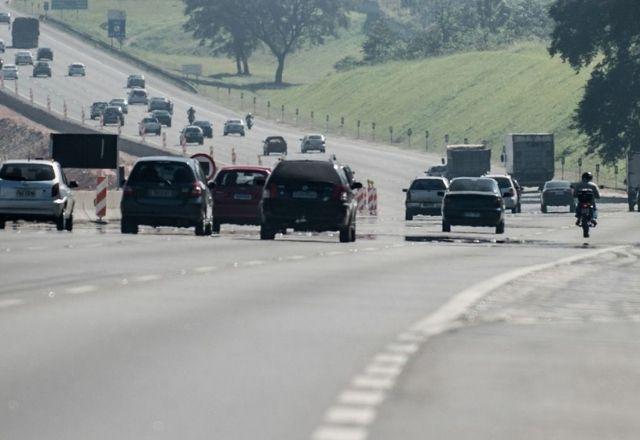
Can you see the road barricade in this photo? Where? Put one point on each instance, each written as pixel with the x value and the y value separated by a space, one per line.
pixel 367 198
pixel 100 201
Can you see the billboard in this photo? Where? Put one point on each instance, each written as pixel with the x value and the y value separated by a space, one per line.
pixel 117 24
pixel 69 4
pixel 92 151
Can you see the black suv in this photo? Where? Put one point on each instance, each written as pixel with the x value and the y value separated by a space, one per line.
pixel 97 108
pixel 112 115
pixel 309 195
pixel 167 191
pixel 274 144
pixel 135 81
pixel 44 53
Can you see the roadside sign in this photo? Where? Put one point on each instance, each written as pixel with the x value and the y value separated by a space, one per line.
pixel 116 24
pixel 91 151
pixel 192 69
pixel 69 4
pixel 207 164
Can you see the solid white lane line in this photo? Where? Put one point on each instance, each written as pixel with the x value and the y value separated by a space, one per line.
pixel 361 397
pixel 6 303
pixel 82 289
pixel 339 433
pixel 350 415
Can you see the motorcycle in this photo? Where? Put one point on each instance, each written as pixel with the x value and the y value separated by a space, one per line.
pixel 249 123
pixel 191 116
pixel 586 207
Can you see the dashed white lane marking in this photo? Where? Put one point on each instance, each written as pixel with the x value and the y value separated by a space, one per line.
pixel 6 303
pixel 334 253
pixel 82 289
pixel 35 248
pixel 147 278
pixel 339 433
pixel 295 257
pixel 253 263
pixel 358 404
pixel 204 269
pixel 350 415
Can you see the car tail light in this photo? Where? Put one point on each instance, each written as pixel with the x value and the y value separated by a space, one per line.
pixel 128 191
pixel 340 193
pixel 55 191
pixel 498 202
pixel 196 190
pixel 270 192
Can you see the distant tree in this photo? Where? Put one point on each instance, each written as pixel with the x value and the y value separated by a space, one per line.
pixel 381 42
pixel 217 24
pixel 606 33
pixel 285 25
pixel 492 15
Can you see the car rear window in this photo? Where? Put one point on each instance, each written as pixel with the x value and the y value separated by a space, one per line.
pixel 503 182
pixel 557 185
pixel 428 185
pixel 239 178
pixel 482 185
pixel 27 172
pixel 306 171
pixel 316 137
pixel 167 172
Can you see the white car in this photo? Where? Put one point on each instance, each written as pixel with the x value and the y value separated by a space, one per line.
pixel 150 125
pixel 23 57
pixel 36 190
pixel 77 69
pixel 9 71
pixel 509 191
pixel 138 96
pixel 424 196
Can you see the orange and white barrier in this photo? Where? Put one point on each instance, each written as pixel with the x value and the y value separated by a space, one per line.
pixel 233 155
pixel 372 199
pixel 64 109
pixel 101 198
pixel 183 144
pixel 15 85
pixel 361 198
pixel 367 198
pixel 48 103
pixel 164 139
pixel 31 96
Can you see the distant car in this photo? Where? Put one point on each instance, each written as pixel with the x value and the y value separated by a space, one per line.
pixel 97 108
pixel 136 81
pixel 113 115
pixel 437 171
pixel 424 196
pixel 138 96
pixel 509 191
pixel 44 53
pixel 2 46
pixel 36 190
pixel 557 193
pixel 5 17
pixel 166 191
pixel 9 71
pixel 23 57
pixel 473 201
pixel 42 68
pixel 313 142
pixel 163 116
pixel 192 135
pixel 122 103
pixel 237 192
pixel 274 144
pixel 206 126
pixel 157 103
pixel 149 125
pixel 233 126
pixel 309 195
pixel 77 69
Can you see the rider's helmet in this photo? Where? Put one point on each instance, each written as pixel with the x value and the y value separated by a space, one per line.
pixel 191 109
pixel 587 177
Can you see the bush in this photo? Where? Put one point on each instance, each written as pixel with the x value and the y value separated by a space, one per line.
pixel 347 63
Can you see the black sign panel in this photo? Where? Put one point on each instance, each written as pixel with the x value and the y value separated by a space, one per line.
pixel 98 151
pixel 69 4
pixel 117 28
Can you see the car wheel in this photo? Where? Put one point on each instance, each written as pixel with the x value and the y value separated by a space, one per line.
pixel 267 233
pixel 352 232
pixel 216 227
pixel 127 226
pixel 60 222
pixel 69 224
pixel 500 228
pixel 201 142
pixel 224 134
pixel 2 221
pixel 572 208
pixel 519 210
pixel 208 229
pixel 543 208
pixel 201 228
pixel 408 216
pixel 345 234
pixel 514 210
pixel 446 227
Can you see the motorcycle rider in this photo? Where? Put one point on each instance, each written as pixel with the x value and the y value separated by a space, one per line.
pixel 586 183
pixel 249 120
pixel 191 115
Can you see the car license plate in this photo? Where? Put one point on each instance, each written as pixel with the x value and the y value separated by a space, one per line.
pixel 160 193
pixel 242 196
pixel 25 193
pixel 305 195
pixel 472 214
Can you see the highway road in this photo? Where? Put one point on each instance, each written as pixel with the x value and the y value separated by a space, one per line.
pixel 407 334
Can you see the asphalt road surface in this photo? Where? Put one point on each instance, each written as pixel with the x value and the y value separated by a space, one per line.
pixel 407 334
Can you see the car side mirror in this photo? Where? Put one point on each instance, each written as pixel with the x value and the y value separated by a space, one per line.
pixel 356 185
pixel 73 184
pixel 404 190
pixel 211 185
pixel 442 160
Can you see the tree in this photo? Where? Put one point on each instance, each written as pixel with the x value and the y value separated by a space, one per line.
pixel 380 44
pixel 492 15
pixel 285 25
pixel 217 24
pixel 607 34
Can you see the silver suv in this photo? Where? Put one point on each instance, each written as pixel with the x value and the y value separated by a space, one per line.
pixel 424 196
pixel 36 190
pixel 510 192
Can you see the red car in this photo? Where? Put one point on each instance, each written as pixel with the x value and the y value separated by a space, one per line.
pixel 237 191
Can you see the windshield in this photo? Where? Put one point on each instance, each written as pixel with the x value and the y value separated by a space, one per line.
pixel 480 185
pixel 503 182
pixel 169 173
pixel 239 178
pixel 315 137
pixel 27 172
